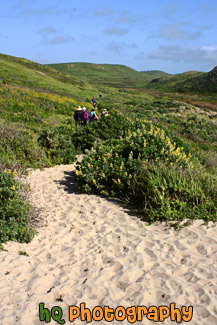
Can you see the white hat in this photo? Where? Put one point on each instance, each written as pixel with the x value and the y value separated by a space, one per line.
pixel 84 108
pixel 79 108
pixel 104 109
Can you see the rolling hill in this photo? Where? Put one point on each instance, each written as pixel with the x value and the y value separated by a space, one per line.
pixel 156 74
pixel 191 81
pixel 79 79
pixel 22 72
pixel 108 74
pixel 124 77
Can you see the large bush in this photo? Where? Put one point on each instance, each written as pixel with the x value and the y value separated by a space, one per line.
pixel 110 127
pixel 14 216
pixel 61 143
pixel 149 171
pixel 18 146
pixel 57 143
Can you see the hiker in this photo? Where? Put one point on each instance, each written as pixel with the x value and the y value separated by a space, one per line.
pixel 104 113
pixel 93 117
pixel 93 100
pixel 85 116
pixel 94 104
pixel 78 116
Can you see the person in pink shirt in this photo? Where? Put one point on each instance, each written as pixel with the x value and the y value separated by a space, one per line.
pixel 86 117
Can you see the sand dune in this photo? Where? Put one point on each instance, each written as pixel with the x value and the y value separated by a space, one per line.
pixel 91 250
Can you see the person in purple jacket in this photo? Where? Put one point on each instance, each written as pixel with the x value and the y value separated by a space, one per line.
pixel 86 117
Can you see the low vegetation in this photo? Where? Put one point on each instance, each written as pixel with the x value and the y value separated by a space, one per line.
pixel 109 75
pixel 14 211
pixel 192 81
pixel 154 151
pixel 148 170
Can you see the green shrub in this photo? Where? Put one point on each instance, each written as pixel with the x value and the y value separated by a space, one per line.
pixel 17 146
pixel 13 211
pixel 58 145
pixel 147 170
pixel 111 127
pixel 62 143
pixel 174 194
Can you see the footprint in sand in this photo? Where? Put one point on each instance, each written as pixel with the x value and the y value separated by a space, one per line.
pixel 91 250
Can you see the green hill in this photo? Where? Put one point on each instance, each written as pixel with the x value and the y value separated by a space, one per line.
pixel 206 82
pixel 39 68
pixel 22 72
pixel 155 74
pixel 107 74
pixel 191 81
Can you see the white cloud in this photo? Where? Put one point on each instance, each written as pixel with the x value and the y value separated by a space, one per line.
pixel 177 32
pixel 206 8
pixel 58 39
pixel 125 18
pixel 119 47
pixel 39 12
pixel 172 32
pixel 193 36
pixel 48 30
pixel 115 31
pixel 170 9
pixel 209 48
pixel 102 12
pixel 3 36
pixel 186 55
pixel 22 3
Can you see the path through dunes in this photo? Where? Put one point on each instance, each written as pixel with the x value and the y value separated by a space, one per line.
pixel 91 250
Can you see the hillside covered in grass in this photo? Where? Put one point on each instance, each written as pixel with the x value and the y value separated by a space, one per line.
pixel 124 77
pixel 155 74
pixel 23 72
pixel 192 81
pixel 152 146
pixel 109 74
pixel 33 98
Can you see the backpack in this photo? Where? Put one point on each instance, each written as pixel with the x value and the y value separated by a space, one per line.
pixel 92 116
pixel 79 116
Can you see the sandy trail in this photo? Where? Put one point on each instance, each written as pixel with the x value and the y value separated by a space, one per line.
pixel 91 250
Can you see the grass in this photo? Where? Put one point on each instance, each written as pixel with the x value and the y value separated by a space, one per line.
pixel 109 75
pixel 37 129
pixel 33 101
pixel 191 81
pixel 22 72
pixel 152 171
pixel 125 77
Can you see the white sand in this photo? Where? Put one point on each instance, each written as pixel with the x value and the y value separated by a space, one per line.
pixel 91 250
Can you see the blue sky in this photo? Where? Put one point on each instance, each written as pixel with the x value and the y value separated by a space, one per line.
pixel 169 35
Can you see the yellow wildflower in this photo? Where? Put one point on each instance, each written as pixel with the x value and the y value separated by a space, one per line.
pixel 130 155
